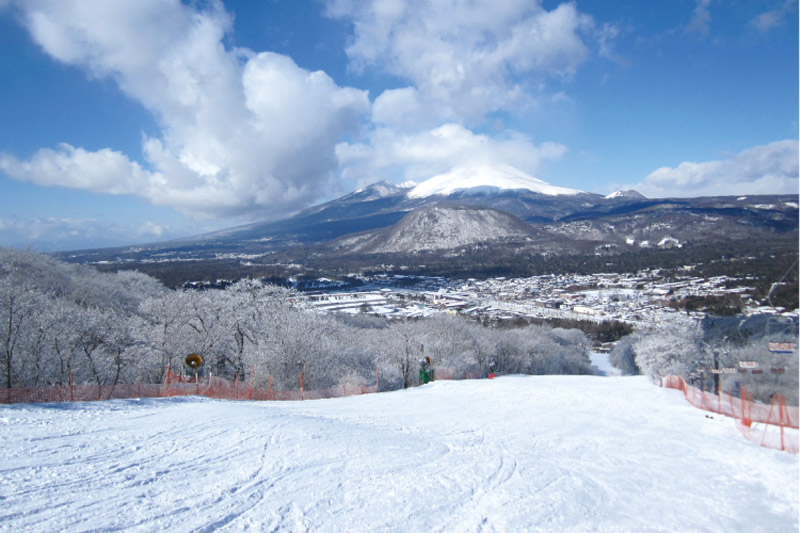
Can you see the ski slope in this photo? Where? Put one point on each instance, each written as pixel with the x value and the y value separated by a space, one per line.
pixel 534 453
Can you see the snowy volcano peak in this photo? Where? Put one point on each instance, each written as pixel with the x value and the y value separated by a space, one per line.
pixel 629 194
pixel 479 179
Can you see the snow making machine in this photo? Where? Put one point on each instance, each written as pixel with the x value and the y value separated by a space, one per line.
pixel 193 365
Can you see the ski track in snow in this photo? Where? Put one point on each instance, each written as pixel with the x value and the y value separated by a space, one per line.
pixel 535 453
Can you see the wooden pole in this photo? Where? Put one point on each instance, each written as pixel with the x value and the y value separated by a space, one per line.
pixel 252 377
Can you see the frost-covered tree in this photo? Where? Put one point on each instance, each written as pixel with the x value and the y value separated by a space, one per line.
pixel 163 333
pixel 19 304
pixel 401 351
pixel 669 350
pixel 623 357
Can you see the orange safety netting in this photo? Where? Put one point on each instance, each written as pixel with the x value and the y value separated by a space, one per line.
pixel 780 422
pixel 176 385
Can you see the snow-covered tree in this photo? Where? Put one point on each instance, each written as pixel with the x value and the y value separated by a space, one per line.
pixel 669 350
pixel 623 357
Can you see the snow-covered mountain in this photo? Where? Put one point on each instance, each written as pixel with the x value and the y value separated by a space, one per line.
pixel 629 194
pixel 485 179
pixel 559 221
pixel 374 191
pixel 438 228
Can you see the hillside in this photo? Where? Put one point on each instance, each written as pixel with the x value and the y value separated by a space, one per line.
pixel 438 228
pixel 555 453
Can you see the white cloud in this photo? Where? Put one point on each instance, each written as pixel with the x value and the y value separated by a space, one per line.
pixel 253 135
pixel 773 18
pixel 151 230
pixel 701 19
pixel 242 133
pixel 768 169
pixel 465 59
pixel 420 155
pixel 103 171
pixel 64 233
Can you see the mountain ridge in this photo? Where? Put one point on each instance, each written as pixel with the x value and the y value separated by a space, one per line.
pixel 363 223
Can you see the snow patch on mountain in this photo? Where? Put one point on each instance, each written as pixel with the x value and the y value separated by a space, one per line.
pixel 375 190
pixel 476 180
pixel 670 242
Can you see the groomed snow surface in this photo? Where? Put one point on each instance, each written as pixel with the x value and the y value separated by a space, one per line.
pixel 517 453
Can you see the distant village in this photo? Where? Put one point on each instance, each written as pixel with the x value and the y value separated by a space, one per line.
pixel 641 299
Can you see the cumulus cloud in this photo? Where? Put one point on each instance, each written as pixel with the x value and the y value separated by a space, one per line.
pixel 102 171
pixel 252 135
pixel 422 154
pixel 241 132
pixel 464 59
pixel 768 169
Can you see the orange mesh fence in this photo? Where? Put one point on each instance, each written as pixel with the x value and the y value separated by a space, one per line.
pixel 446 374
pixel 742 407
pixel 79 393
pixel 780 422
pixel 176 385
pixel 770 436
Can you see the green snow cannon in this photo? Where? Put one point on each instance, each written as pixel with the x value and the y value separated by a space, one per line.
pixel 425 371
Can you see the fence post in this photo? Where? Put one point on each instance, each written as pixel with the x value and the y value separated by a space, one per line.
pixel 139 388
pixel 781 408
pixel 302 392
pixel 166 383
pixel 71 397
pixel 237 385
pixel 269 393
pixel 745 419
pixel 252 377
pixel 766 425
pixel 377 379
pixel 196 384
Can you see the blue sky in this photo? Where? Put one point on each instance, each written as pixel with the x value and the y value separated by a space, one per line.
pixel 143 120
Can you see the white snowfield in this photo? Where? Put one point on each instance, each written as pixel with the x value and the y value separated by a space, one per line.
pixel 517 453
